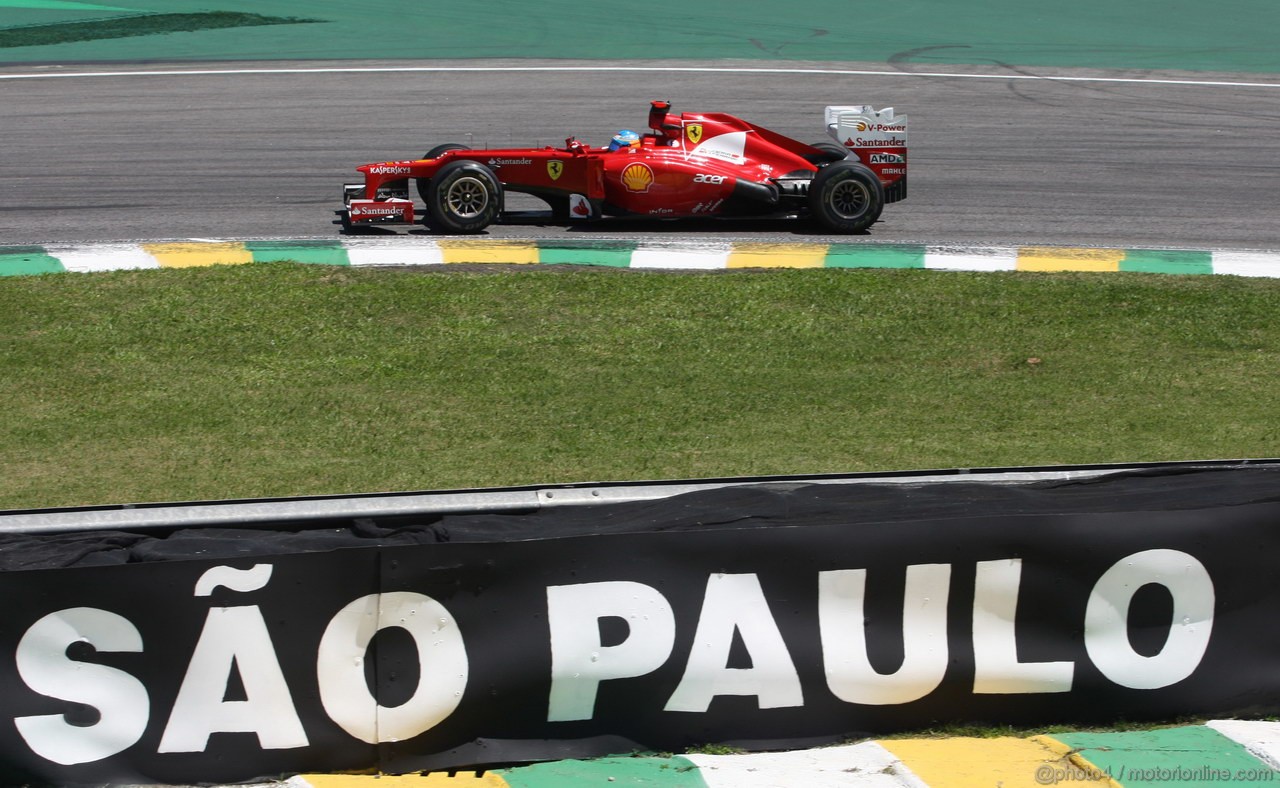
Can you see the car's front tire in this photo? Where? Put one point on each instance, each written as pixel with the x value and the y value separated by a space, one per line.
pixel 463 197
pixel 424 184
pixel 846 197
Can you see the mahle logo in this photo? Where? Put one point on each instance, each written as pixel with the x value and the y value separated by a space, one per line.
pixel 637 177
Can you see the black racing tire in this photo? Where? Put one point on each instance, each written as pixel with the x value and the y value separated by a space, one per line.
pixel 846 197
pixel 832 151
pixel 424 184
pixel 464 197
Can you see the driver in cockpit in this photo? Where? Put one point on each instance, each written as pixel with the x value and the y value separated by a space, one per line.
pixel 624 139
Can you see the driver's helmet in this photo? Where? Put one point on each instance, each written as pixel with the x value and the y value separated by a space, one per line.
pixel 625 139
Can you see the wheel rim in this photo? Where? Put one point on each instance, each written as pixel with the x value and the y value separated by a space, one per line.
pixel 849 198
pixel 467 197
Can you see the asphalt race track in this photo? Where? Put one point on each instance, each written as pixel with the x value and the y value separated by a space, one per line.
pixel 998 155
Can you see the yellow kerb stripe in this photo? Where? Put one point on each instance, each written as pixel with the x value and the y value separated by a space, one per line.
pixel 981 763
pixel 435 780
pixel 1082 764
pixel 1045 258
pixel 488 252
pixel 763 255
pixel 196 255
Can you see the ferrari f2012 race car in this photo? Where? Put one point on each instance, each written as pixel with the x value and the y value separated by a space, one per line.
pixel 690 164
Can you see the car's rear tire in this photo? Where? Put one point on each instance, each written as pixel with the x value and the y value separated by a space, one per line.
pixel 846 197
pixel 831 151
pixel 424 184
pixel 463 197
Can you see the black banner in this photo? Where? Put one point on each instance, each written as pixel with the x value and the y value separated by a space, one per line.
pixel 766 616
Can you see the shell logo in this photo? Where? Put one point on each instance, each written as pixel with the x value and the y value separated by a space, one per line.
pixel 862 126
pixel 637 177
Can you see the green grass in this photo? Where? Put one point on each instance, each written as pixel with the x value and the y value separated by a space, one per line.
pixel 716 749
pixel 282 379
pixel 134 25
pixel 993 731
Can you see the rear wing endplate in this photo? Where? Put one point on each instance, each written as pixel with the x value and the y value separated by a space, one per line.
pixel 878 138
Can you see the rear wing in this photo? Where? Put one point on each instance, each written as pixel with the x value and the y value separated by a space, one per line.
pixel 878 139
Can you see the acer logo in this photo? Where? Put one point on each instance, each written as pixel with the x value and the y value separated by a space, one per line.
pixel 705 178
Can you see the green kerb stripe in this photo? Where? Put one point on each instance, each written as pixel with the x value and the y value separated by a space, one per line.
pixel 1193 755
pixel 316 252
pixel 22 261
pixel 878 256
pixel 1155 261
pixel 616 255
pixel 622 772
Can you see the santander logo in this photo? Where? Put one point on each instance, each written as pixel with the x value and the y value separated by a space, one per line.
pixel 579 207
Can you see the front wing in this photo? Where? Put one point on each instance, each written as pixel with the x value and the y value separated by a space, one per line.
pixel 574 176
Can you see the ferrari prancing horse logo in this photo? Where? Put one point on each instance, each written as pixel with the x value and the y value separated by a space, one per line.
pixel 554 168
pixel 694 130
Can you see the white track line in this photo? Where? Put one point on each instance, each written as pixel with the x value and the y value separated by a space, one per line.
pixel 603 69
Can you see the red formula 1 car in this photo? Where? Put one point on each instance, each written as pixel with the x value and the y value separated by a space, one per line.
pixel 691 164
